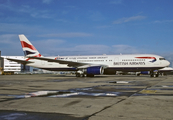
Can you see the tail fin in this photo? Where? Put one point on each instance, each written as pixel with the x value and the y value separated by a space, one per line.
pixel 28 49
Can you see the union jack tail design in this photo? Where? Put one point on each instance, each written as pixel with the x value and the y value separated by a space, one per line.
pixel 28 49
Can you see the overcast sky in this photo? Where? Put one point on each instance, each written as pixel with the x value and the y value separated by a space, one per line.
pixel 88 27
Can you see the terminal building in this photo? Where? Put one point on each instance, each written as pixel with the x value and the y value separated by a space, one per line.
pixel 10 66
pixel 1 63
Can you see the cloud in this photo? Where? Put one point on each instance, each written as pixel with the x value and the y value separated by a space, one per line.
pixel 35 13
pixel 129 19
pixel 49 43
pixel 47 1
pixel 10 45
pixel 163 21
pixel 125 49
pixel 42 14
pixel 91 49
pixel 52 49
pixel 20 28
pixel 71 34
pixel 6 5
pixel 26 9
pixel 79 50
pixel 8 39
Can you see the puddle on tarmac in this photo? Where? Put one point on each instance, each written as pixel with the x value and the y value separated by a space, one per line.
pixel 164 86
pixel 12 116
pixel 86 94
pixel 126 82
pixel 121 88
pixel 95 91
pixel 129 89
pixel 140 94
pixel 19 115
pixel 160 89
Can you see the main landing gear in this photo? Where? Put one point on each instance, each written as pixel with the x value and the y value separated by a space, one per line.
pixel 84 75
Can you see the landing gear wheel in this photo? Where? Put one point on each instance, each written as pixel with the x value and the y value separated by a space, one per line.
pixel 154 75
pixel 77 75
pixel 151 75
pixel 84 75
pixel 157 75
pixel 138 74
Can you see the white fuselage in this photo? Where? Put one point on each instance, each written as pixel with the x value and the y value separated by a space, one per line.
pixel 135 62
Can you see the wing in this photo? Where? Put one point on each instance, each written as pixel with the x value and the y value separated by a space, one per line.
pixel 69 63
pixel 19 61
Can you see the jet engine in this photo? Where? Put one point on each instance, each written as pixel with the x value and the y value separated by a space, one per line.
pixel 90 71
pixel 95 70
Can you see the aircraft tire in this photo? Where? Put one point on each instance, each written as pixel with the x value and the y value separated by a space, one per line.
pixel 84 75
pixel 151 75
pixel 77 75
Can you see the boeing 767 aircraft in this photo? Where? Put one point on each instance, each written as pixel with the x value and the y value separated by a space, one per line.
pixel 92 64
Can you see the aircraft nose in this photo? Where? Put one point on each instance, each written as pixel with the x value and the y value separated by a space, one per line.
pixel 167 63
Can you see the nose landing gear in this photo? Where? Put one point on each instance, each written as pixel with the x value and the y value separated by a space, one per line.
pixel 154 74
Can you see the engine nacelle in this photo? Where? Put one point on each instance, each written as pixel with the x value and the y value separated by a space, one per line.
pixel 109 72
pixel 96 70
pixel 145 72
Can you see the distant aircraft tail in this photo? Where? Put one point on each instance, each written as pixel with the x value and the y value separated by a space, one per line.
pixel 28 49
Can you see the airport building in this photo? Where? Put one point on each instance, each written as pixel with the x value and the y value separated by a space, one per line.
pixel 1 63
pixel 10 66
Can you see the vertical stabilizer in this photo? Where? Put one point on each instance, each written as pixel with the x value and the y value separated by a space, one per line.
pixel 28 49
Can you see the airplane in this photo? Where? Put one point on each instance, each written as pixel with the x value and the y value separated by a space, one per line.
pixel 88 66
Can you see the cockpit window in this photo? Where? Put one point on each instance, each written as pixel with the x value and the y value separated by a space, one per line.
pixel 161 58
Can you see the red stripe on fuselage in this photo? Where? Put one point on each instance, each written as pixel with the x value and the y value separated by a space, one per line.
pixel 26 45
pixel 146 57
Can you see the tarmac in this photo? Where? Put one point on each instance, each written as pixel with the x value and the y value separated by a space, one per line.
pixel 114 97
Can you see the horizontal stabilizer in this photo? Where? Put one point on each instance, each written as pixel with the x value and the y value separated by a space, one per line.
pixel 19 61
